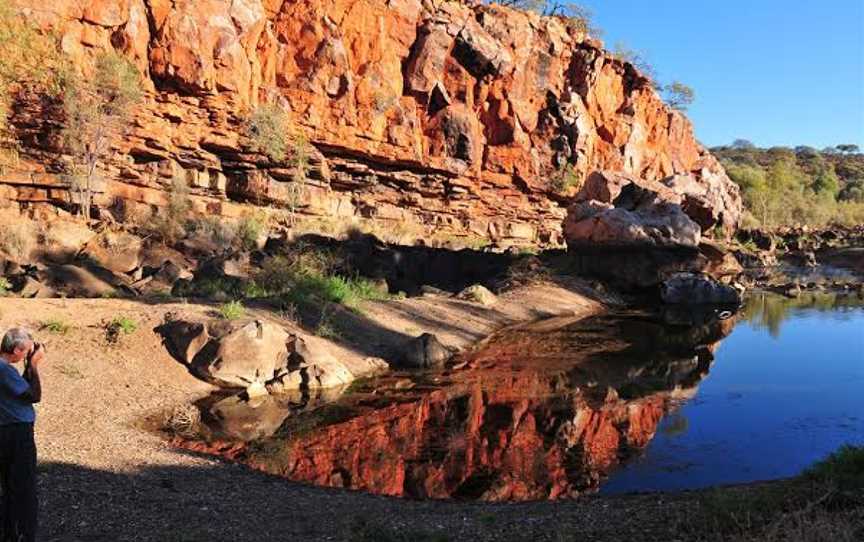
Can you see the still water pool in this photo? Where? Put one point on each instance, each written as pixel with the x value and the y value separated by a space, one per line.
pixel 629 402
pixel 786 389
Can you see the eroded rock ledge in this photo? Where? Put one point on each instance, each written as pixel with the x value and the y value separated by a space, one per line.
pixel 426 114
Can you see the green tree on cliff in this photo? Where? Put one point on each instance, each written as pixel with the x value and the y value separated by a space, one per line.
pixel 678 95
pixel 98 108
pixel 580 16
pixel 269 131
pixel 29 61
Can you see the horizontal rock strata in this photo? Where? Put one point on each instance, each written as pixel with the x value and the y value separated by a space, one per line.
pixel 431 115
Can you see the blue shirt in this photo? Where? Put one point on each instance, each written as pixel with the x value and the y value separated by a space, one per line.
pixel 13 407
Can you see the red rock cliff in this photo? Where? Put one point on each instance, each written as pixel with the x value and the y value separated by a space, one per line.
pixel 425 113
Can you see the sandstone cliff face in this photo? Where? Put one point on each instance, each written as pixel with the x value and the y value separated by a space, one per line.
pixel 428 113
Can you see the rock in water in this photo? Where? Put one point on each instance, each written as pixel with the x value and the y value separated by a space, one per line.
pixel 697 289
pixel 478 294
pixel 425 352
pixel 248 418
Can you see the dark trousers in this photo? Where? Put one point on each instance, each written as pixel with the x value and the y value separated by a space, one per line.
pixel 19 505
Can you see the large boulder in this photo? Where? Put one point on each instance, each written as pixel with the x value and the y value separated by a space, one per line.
pixel 318 367
pixel 90 281
pixel 117 252
pixel 478 293
pixel 256 355
pixel 253 352
pixel 617 210
pixel 697 289
pixel 425 352
pixel 184 339
pixel 711 200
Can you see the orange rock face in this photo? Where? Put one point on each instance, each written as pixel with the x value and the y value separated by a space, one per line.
pixel 450 117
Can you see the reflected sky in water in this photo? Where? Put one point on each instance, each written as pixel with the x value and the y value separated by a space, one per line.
pixel 786 389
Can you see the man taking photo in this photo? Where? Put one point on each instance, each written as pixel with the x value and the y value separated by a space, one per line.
pixel 18 393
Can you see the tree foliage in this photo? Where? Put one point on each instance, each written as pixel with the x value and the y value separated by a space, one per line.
pixel 267 129
pixel 678 95
pixel 638 59
pixel 576 14
pixel 97 109
pixel 782 186
pixel 29 59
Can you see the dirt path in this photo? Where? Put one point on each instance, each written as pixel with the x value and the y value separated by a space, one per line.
pixel 104 478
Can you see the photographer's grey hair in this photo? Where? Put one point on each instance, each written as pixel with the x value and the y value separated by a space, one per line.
pixel 13 339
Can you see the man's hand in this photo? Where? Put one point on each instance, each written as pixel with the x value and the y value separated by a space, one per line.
pixel 38 355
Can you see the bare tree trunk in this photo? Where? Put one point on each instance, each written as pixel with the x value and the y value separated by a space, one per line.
pixel 88 189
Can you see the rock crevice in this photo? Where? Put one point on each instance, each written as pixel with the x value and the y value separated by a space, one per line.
pixel 449 117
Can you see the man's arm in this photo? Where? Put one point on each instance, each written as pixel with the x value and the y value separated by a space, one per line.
pixel 31 375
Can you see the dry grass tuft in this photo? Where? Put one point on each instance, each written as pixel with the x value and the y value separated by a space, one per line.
pixel 183 420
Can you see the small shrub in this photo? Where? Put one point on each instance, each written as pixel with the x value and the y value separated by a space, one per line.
pixel 182 420
pixel 565 179
pixel 233 310
pixel 266 128
pixel 843 469
pixel 119 326
pixel 55 326
pixel 249 229
pixel 5 286
pixel 213 228
pixel 818 505
pixel 96 110
pixel 169 224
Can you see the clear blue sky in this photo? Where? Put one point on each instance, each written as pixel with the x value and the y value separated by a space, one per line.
pixel 775 72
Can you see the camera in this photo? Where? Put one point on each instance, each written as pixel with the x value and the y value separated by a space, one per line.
pixel 36 347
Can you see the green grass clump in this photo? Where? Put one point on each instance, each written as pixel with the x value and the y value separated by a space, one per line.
pixel 843 469
pixel 233 310
pixel 118 327
pixel 308 276
pixel 823 503
pixel 124 325
pixel 5 286
pixel 55 326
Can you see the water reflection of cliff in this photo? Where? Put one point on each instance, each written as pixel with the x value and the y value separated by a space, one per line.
pixel 539 413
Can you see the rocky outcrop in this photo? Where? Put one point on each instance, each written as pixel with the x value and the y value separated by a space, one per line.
pixel 695 289
pixel 425 352
pixel 443 117
pixel 256 355
pixel 617 210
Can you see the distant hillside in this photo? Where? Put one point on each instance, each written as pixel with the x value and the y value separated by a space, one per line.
pixel 784 186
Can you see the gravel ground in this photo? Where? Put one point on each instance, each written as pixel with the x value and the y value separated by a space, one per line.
pixel 103 477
